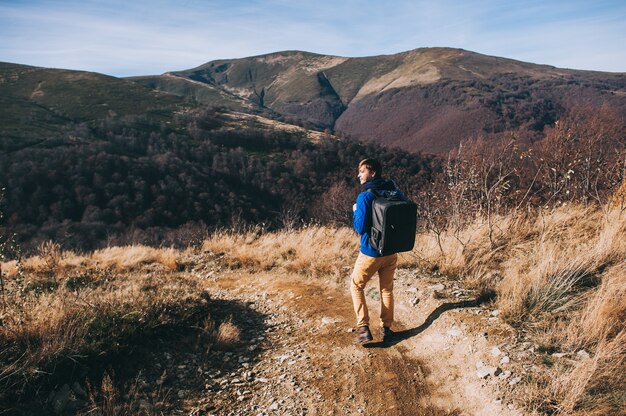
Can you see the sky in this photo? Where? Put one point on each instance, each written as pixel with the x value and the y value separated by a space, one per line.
pixel 141 37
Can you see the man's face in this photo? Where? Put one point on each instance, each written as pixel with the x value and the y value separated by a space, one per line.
pixel 365 174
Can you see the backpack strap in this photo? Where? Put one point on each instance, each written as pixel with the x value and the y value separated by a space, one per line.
pixel 376 195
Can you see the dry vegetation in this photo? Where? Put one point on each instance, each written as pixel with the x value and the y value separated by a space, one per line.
pixel 70 317
pixel 316 251
pixel 559 275
pixel 561 278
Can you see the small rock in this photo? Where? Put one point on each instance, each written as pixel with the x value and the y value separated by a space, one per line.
pixel 487 371
pixel 515 380
pixel 495 312
pixel 437 287
pixel 326 320
pixel 484 372
pixel 505 360
pixel 583 354
pixel 454 332
pixel 495 351
pixel 274 406
pixel 559 354
pixel 506 374
pixel 414 301
pixel 283 358
pixel 412 290
pixel 181 394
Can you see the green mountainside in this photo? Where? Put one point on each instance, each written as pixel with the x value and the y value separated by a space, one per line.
pixel 41 104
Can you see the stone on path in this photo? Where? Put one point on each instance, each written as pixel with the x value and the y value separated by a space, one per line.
pixel 485 372
pixel 454 332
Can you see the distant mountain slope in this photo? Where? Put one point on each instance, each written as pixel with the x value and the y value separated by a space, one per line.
pixel 426 99
pixel 200 91
pixel 41 103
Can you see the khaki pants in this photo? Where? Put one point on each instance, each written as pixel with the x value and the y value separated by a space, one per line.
pixel 364 268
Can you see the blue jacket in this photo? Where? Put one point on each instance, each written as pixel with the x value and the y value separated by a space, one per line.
pixel 362 217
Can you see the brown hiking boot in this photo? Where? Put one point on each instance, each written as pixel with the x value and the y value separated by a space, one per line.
pixel 386 334
pixel 363 335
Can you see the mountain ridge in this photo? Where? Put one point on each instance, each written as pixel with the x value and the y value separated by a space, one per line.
pixel 425 99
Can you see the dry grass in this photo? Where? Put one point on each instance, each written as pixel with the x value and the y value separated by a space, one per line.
pixel 228 335
pixel 604 313
pixel 90 312
pixel 559 275
pixel 40 328
pixel 314 251
pixel 52 262
pixel 562 276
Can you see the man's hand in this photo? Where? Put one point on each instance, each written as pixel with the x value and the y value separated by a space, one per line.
pixel 353 207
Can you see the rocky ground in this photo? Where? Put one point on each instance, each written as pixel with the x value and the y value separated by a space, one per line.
pixel 295 354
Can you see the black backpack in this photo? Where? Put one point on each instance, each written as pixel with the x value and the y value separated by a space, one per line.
pixel 393 224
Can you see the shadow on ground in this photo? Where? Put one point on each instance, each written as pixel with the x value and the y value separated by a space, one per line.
pixel 400 336
pixel 152 366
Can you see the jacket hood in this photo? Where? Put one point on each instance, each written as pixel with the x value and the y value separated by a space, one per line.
pixel 380 184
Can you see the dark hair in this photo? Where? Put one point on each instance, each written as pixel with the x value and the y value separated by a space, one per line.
pixel 373 165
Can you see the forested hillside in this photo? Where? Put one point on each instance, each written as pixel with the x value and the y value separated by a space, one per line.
pixel 133 179
pixel 88 160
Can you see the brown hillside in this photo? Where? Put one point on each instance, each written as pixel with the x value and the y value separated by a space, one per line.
pixel 427 99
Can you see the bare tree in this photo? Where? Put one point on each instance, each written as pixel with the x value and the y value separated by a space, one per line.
pixel 479 180
pixel 579 153
pixel 335 205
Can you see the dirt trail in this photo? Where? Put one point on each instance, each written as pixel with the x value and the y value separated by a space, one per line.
pixel 308 364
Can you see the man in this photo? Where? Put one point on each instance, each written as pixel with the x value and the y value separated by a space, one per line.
pixel 370 260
